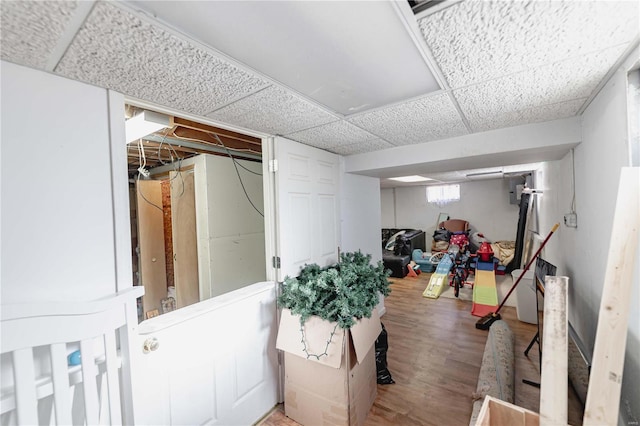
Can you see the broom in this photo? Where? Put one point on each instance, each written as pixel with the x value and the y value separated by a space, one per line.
pixel 485 322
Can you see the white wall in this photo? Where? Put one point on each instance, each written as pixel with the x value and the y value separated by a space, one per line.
pixel 360 216
pixel 388 207
pixel 484 204
pixel 236 230
pixel 57 208
pixel 553 177
pixel 583 251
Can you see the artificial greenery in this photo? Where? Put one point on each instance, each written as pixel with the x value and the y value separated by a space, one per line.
pixel 341 293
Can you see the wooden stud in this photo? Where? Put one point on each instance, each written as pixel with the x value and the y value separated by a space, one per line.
pixel 185 259
pixel 605 383
pixel 151 242
pixel 183 122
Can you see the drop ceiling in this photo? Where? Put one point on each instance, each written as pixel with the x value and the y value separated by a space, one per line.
pixel 347 77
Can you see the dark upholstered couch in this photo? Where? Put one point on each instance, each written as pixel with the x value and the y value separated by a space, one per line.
pixel 396 254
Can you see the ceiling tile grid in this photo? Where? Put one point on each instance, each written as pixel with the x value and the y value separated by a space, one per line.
pixel 273 111
pixel 361 147
pixel 422 120
pixel 30 30
pixel 339 132
pixel 537 114
pixel 117 50
pixel 340 137
pixel 474 41
pixel 512 100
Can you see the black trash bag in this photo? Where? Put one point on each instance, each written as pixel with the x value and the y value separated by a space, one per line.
pixel 382 344
pixel 442 235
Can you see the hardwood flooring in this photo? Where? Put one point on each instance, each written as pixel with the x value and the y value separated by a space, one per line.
pixel 434 356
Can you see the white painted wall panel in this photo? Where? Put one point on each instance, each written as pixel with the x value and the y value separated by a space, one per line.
pixel 603 152
pixel 388 208
pixel 229 210
pixel 236 261
pixel 581 253
pixel 236 230
pixel 57 208
pixel 360 216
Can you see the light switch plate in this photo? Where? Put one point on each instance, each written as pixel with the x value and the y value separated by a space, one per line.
pixel 571 220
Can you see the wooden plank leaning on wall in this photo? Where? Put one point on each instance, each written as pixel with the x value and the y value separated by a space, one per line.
pixel 605 382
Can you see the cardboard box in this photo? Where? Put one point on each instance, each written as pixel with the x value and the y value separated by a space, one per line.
pixel 337 388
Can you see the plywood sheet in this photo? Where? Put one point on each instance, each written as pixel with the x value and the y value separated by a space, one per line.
pixel 151 242
pixel 185 251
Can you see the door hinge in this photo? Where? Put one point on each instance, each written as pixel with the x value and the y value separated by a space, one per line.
pixel 273 166
pixel 276 262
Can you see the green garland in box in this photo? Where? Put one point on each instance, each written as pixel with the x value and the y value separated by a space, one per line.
pixel 341 293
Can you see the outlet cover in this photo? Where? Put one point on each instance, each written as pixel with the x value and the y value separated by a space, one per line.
pixel 571 220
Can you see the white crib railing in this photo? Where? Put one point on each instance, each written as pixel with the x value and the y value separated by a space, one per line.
pixel 42 388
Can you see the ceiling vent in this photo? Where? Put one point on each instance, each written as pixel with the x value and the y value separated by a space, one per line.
pixel 427 7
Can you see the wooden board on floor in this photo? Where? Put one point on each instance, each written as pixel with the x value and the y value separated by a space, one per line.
pixel 555 341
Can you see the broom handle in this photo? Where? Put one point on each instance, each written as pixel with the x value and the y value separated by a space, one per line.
pixel 526 268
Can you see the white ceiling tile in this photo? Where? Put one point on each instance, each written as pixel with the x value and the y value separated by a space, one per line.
pixel 474 41
pixel 514 99
pixel 117 50
pixel 341 54
pixel 30 30
pixel 340 137
pixel 417 121
pixel 525 116
pixel 273 111
pixel 332 134
pixel 361 147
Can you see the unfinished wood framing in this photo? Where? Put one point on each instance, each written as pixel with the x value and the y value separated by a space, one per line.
pixel 605 383
pixel 153 270
pixel 555 335
pixel 185 252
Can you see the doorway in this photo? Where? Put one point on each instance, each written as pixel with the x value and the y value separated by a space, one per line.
pixel 196 204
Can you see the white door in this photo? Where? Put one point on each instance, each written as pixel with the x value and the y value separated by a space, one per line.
pixel 307 206
pixel 211 363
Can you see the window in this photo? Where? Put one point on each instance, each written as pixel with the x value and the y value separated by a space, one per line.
pixel 443 194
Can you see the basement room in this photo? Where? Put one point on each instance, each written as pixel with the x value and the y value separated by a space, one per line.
pixel 407 212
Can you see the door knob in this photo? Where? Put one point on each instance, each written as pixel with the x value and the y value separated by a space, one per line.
pixel 150 345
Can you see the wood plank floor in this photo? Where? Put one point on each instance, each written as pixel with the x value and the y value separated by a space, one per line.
pixel 434 356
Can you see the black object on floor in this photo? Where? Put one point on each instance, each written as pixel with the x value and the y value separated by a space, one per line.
pixel 485 322
pixel 382 344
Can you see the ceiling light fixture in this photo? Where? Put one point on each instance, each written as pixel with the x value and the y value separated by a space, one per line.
pixel 413 178
pixel 144 124
pixel 485 175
